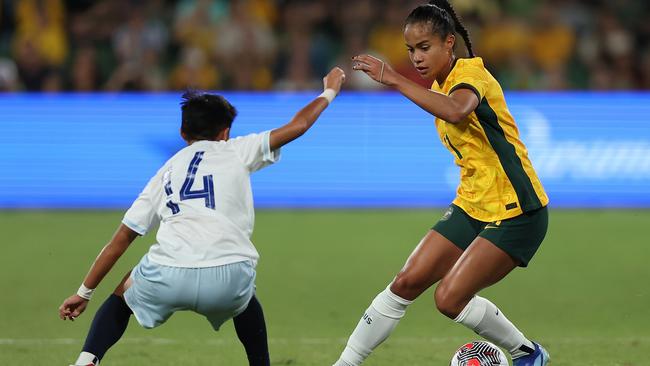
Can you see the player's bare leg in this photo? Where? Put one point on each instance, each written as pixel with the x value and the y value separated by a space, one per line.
pixel 123 285
pixel 481 265
pixel 108 326
pixel 429 262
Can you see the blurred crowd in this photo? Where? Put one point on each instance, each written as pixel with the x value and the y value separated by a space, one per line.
pixel 154 45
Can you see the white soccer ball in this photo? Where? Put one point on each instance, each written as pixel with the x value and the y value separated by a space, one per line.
pixel 479 353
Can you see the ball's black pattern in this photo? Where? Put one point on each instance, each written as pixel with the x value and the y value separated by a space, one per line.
pixel 485 353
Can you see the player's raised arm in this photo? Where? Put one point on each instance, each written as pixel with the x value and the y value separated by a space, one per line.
pixel 305 118
pixel 452 108
pixel 74 305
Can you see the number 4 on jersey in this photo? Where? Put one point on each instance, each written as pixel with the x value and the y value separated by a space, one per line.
pixel 208 186
pixel 187 193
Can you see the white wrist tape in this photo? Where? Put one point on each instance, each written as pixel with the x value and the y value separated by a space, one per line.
pixel 328 94
pixel 85 292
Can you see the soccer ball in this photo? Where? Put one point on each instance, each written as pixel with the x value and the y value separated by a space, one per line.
pixel 479 353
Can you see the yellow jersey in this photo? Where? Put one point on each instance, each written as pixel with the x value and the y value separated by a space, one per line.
pixel 497 179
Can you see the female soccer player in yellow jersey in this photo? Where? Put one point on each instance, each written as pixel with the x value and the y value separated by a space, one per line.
pixel 499 217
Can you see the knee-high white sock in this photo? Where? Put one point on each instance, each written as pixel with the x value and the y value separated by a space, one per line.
pixel 484 318
pixel 375 326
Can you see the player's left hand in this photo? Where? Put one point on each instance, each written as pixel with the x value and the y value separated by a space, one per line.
pixel 72 307
pixel 377 69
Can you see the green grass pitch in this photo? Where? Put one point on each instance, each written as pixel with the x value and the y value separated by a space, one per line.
pixel 586 295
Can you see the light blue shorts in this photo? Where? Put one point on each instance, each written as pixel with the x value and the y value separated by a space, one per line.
pixel 219 293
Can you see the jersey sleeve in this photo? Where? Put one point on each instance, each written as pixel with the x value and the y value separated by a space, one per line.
pixel 472 77
pixel 142 215
pixel 255 150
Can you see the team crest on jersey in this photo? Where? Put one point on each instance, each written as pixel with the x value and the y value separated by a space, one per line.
pixel 447 214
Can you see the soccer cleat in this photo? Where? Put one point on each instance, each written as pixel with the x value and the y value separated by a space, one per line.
pixel 538 358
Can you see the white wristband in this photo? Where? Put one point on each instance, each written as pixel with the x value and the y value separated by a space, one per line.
pixel 329 94
pixel 85 292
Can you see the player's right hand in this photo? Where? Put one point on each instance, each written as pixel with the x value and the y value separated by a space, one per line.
pixel 334 79
pixel 72 307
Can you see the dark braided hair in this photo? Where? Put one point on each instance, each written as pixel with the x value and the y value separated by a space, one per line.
pixel 443 19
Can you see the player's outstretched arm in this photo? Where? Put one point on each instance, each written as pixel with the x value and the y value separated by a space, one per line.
pixel 452 108
pixel 74 305
pixel 305 118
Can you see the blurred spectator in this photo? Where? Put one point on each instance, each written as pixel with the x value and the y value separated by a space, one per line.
pixel 354 22
pixel 617 50
pixel 8 75
pixel 195 22
pixel 32 68
pixel 40 45
pixel 194 71
pixel 245 48
pixel 300 41
pixel 139 44
pixel 502 40
pixel 86 45
pixel 41 24
pixel 551 46
pixel 92 21
pixel 85 74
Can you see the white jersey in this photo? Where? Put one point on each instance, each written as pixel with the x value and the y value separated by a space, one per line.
pixel 203 201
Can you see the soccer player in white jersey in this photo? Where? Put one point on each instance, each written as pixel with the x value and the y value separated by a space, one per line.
pixel 203 260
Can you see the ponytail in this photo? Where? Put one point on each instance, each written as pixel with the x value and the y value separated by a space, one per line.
pixel 458 26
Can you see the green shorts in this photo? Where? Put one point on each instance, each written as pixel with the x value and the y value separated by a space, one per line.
pixel 519 236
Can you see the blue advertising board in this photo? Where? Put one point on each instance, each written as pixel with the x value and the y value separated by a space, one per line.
pixel 367 150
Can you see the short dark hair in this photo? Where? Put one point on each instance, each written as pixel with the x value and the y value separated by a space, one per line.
pixel 205 115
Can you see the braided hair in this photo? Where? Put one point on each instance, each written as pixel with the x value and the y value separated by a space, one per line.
pixel 443 19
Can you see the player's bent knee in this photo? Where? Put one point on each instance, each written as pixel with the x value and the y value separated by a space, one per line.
pixel 448 303
pixel 407 286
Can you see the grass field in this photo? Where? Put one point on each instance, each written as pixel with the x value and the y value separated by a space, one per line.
pixel 586 295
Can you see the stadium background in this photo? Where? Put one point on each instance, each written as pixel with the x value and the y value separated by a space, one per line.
pixel 90 110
